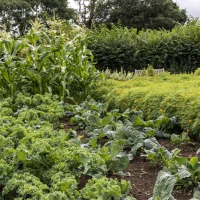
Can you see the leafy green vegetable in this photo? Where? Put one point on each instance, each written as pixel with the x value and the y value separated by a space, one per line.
pixel 25 186
pixel 105 189
pixel 164 186
pixel 196 195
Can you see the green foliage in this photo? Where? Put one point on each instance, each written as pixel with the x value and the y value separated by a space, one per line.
pixel 180 139
pixel 6 171
pixel 157 153
pixel 150 14
pixel 53 60
pixel 112 48
pixel 177 170
pixel 196 194
pixel 110 133
pixel 121 75
pixel 39 162
pixel 186 170
pixel 112 153
pixel 197 72
pixel 150 71
pixel 10 67
pixel 155 96
pixel 17 14
pixel 164 186
pixel 176 50
pixel 101 125
pixel 105 189
pixel 26 186
pixel 143 72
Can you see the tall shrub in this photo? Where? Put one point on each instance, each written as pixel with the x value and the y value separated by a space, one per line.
pixel 114 48
pixel 176 50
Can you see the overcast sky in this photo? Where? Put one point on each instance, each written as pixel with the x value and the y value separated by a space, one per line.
pixel 192 6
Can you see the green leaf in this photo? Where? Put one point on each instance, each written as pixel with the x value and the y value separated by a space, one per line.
pixel 198 151
pixel 116 147
pixel 93 120
pixel 183 172
pixel 21 155
pixel 93 143
pixel 181 160
pixel 135 148
pixel 106 120
pixel 193 161
pixel 138 122
pixel 164 186
pixel 150 133
pixel 162 120
pixel 196 195
pixel 120 162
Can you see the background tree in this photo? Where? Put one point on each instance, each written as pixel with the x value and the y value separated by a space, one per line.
pixel 152 14
pixel 87 10
pixel 16 14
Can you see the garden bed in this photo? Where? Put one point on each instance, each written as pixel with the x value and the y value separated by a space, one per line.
pixel 142 173
pixel 164 94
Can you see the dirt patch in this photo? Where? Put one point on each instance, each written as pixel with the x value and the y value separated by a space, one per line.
pixel 83 180
pixel 143 177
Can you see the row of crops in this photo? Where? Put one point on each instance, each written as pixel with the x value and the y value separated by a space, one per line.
pixel 164 94
pixel 42 160
pixel 176 50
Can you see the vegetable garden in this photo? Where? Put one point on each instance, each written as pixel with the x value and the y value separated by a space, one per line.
pixel 58 143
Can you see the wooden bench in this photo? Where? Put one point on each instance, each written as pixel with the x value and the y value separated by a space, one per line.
pixel 157 71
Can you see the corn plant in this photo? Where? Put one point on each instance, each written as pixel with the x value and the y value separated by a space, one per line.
pixel 84 73
pixel 53 59
pixel 11 66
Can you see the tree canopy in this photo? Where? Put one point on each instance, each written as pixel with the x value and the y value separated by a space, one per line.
pixel 87 10
pixel 16 14
pixel 140 14
pixel 152 14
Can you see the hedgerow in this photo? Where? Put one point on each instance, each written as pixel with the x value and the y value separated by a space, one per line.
pixel 176 50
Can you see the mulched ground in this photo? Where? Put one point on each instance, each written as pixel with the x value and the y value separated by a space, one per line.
pixel 143 174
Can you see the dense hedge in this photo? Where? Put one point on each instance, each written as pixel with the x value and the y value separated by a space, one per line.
pixel 170 95
pixel 176 51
